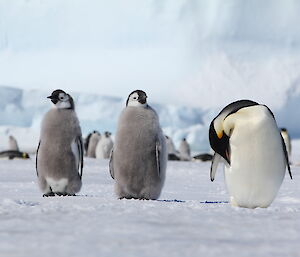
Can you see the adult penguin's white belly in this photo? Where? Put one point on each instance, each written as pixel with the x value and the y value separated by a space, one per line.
pixel 257 162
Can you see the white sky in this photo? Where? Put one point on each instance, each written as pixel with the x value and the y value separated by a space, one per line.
pixel 113 47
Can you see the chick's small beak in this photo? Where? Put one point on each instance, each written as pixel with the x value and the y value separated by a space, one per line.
pixel 53 99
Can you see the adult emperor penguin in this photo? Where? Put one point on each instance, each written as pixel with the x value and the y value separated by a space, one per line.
pixel 104 146
pixel 287 140
pixel 59 159
pixel 12 144
pixel 92 144
pixel 139 157
pixel 245 135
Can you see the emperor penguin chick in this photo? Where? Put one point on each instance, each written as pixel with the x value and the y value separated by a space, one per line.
pixel 184 150
pixel 139 157
pixel 104 146
pixel 246 137
pixel 173 155
pixel 12 144
pixel 92 144
pixel 59 159
pixel 170 145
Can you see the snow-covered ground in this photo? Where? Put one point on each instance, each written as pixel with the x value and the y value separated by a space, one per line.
pixel 95 223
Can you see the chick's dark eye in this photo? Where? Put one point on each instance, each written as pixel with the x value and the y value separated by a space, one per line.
pixel 61 98
pixel 134 98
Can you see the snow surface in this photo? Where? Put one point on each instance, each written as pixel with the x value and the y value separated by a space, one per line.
pixel 95 223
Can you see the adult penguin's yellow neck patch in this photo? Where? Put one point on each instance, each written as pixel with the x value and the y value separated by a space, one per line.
pixel 220 134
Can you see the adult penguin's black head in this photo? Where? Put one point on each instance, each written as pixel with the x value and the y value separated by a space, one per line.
pixel 218 139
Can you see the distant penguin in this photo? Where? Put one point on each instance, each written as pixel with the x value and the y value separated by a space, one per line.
pixel 104 146
pixel 86 143
pixel 287 140
pixel 246 137
pixel 93 141
pixel 170 145
pixel 139 157
pixel 203 157
pixel 171 150
pixel 87 140
pixel 59 159
pixel 184 150
pixel 12 144
pixel 12 154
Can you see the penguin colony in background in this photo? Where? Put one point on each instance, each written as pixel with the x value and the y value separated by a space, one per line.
pixel 98 146
pixel 244 136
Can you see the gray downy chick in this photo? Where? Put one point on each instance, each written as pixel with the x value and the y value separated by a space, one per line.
pixel 104 146
pixel 139 156
pixel 184 150
pixel 173 154
pixel 59 159
pixel 170 145
pixel 12 144
pixel 93 141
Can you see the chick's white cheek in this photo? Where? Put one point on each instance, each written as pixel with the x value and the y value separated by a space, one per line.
pixel 61 96
pixel 63 105
pixel 134 103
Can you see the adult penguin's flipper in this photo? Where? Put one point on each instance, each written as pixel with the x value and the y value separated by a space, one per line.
pixel 214 165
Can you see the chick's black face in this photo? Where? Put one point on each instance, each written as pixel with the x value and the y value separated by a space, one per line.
pixel 142 97
pixel 62 100
pixel 107 134
pixel 57 95
pixel 138 96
